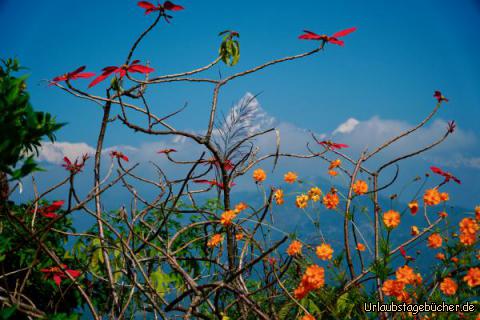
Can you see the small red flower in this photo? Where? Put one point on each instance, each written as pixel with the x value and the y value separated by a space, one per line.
pixel 118 155
pixel 439 96
pixel 446 175
pixel 133 67
pixel 57 274
pixel 332 145
pixel 49 211
pixel 166 151
pixel 76 74
pixel 75 167
pixel 309 35
pixel 167 5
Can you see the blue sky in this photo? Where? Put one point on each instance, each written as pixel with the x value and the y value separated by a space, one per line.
pixel 401 52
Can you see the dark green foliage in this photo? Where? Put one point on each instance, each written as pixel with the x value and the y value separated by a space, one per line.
pixel 22 128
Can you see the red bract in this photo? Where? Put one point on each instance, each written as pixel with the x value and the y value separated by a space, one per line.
pixel 404 254
pixel 167 5
pixel 75 167
pixel 332 145
pixel 439 96
pixel 118 155
pixel 76 74
pixel 133 67
pixel 212 183
pixel 309 35
pixel 49 211
pixel 446 175
pixel 57 274
pixel 227 164
pixel 166 151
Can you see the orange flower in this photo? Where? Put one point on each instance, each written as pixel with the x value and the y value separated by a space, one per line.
pixel 290 177
pixel 259 175
pixel 294 248
pixel 393 288
pixel 333 173
pixel 406 275
pixel 215 240
pixel 331 200
pixel 314 194
pixel 361 247
pixel 443 214
pixel 240 207
pixel 391 218
pixel 467 239
pixel 472 278
pixel 334 164
pixel 301 201
pixel 360 187
pixel 312 279
pixel 432 197
pixel 448 286
pixel 278 195
pixel 454 259
pixel 414 231
pixel 239 236
pixel 227 217
pixel 413 207
pixel 444 196
pixel 469 226
pixel 477 213
pixel 308 317
pixel 434 241
pixel 440 256
pixel 324 251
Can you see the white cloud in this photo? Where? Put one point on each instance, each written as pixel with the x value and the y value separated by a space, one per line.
pixel 347 127
pixel 55 152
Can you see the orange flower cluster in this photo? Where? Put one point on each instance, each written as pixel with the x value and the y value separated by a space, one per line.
pixel 333 165
pixel 472 278
pixel 331 200
pixel 239 236
pixel 413 206
pixel 312 279
pixel 477 213
pixel 391 219
pixel 314 194
pixel 468 231
pixel 308 317
pixel 301 201
pixel 432 197
pixel 396 287
pixel 448 286
pixel 434 241
pixel 259 175
pixel 324 251
pixel 278 196
pixel 227 217
pixel 295 248
pixel 215 240
pixel 290 177
pixel 360 187
pixel 406 275
pixel 440 256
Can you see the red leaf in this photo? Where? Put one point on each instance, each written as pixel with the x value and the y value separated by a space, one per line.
pixel 336 41
pixel 171 6
pixel 78 70
pixel 403 252
pixel 83 75
pixel 100 78
pixel 57 279
pixel 309 35
pixel 74 273
pixel 343 33
pixel 166 151
pixel 140 69
pixel 147 5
